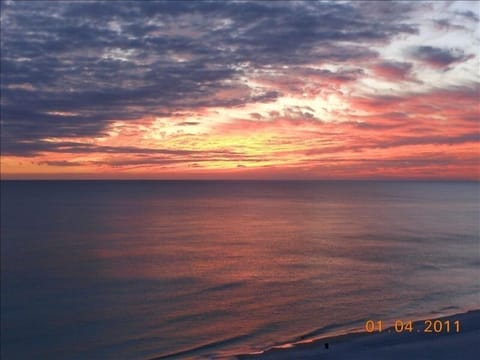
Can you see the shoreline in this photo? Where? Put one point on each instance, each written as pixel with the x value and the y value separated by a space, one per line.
pixel 388 344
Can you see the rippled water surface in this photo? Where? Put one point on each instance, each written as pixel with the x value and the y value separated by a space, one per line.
pixel 137 270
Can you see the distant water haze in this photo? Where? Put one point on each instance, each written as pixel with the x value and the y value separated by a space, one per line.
pixel 143 269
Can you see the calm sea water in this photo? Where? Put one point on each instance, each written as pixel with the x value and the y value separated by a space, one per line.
pixel 137 270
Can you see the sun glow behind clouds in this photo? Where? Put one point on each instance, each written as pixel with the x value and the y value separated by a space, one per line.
pixel 291 90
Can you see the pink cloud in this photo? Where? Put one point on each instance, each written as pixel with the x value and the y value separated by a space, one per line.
pixel 393 70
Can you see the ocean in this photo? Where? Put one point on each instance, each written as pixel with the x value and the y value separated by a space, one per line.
pixel 209 269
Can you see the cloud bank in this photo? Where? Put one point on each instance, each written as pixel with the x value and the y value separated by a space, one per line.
pixel 166 86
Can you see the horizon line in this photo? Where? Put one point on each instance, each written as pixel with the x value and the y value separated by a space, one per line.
pixel 242 180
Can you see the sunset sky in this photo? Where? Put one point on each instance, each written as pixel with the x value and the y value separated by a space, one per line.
pixel 240 90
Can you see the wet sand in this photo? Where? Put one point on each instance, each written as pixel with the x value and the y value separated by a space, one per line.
pixel 391 345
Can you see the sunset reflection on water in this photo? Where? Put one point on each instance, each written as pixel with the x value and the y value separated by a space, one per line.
pixel 152 268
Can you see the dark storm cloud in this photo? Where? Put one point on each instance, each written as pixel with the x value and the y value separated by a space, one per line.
pixel 469 15
pixel 445 24
pixel 105 61
pixel 30 148
pixel 438 57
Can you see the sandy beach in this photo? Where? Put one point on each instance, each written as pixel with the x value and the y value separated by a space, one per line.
pixel 390 344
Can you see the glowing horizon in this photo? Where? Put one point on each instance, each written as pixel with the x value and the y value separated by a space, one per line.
pixel 251 90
